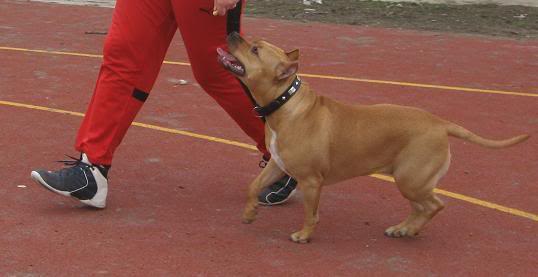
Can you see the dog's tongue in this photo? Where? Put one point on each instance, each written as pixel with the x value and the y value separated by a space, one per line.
pixel 230 62
pixel 225 55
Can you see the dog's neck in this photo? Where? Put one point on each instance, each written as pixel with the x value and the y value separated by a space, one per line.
pixel 278 101
pixel 300 102
pixel 263 93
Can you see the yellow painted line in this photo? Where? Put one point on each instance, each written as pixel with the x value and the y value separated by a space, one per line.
pixel 472 200
pixel 20 105
pixel 487 204
pixel 50 52
pixel 148 126
pixel 329 77
pixel 407 84
pixel 454 195
pixel 195 135
pixel 178 63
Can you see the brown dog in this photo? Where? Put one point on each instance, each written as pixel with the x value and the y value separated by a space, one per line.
pixel 319 141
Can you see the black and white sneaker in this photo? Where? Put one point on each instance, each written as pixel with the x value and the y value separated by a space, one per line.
pixel 279 192
pixel 83 181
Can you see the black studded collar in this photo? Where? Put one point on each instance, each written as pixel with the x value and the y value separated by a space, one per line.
pixel 280 100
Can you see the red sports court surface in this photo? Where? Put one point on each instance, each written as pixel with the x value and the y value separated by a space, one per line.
pixel 179 180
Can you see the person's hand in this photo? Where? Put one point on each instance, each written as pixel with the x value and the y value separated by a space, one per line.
pixel 220 7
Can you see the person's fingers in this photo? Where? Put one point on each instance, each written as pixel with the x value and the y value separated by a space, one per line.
pixel 219 11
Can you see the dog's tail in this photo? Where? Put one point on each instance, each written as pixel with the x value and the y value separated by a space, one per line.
pixel 462 133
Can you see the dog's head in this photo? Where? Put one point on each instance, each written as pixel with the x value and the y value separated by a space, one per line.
pixel 258 64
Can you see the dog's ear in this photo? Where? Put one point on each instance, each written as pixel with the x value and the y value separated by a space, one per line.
pixel 293 55
pixel 285 70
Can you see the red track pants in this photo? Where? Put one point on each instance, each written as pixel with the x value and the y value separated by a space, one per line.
pixel 134 50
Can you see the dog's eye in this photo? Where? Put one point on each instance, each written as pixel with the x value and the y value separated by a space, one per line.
pixel 254 50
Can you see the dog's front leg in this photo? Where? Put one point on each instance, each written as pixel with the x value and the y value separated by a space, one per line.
pixel 270 174
pixel 311 191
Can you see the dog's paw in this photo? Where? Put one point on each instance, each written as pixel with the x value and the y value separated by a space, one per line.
pixel 400 231
pixel 249 216
pixel 300 237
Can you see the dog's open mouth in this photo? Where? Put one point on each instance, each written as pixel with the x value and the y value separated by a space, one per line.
pixel 230 62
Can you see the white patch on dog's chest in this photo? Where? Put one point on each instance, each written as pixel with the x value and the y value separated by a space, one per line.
pixel 274 150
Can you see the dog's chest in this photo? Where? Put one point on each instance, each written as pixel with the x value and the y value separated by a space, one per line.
pixel 273 149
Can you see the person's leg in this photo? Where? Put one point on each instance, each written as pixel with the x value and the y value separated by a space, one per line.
pixel 133 53
pixel 134 49
pixel 202 33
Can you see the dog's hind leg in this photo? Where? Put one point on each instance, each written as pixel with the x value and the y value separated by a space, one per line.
pixel 422 212
pixel 270 174
pixel 311 192
pixel 424 203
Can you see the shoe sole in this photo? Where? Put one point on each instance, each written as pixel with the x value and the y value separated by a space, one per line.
pixel 37 178
pixel 281 202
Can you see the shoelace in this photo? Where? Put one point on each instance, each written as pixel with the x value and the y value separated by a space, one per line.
pixel 75 162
